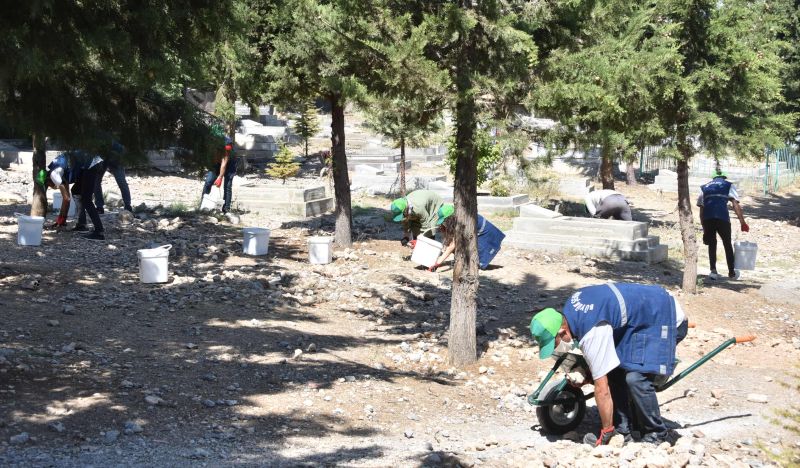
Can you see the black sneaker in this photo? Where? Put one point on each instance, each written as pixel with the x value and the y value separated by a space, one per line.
pixel 95 236
pixel 80 228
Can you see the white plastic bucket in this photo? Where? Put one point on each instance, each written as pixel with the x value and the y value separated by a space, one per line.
pixel 320 250
pixel 212 200
pixel 58 200
pixel 154 264
pixel 745 255
pixel 255 241
pixel 426 251
pixel 29 231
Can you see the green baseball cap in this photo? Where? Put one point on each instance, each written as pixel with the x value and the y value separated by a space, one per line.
pixel 719 173
pixel 444 212
pixel 544 328
pixel 398 207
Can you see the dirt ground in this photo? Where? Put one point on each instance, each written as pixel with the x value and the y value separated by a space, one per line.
pixel 271 361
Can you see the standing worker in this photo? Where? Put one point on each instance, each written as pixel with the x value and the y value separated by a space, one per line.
pixel 627 334
pixel 224 168
pixel 714 216
pixel 489 238
pixel 418 211
pixel 114 165
pixel 608 204
pixel 88 168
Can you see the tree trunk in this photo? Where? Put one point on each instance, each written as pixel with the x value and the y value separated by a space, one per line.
pixel 606 166
pixel 341 179
pixel 305 147
pixel 462 345
pixel 630 172
pixel 39 202
pixel 687 223
pixel 403 166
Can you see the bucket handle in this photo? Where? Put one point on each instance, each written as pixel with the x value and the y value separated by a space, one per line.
pixel 165 247
pixel 19 215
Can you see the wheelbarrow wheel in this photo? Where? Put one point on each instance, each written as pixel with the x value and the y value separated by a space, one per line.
pixel 566 411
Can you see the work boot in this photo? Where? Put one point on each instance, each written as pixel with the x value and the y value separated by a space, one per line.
pixel 658 438
pixel 95 236
pixel 734 275
pixel 714 275
pixel 80 228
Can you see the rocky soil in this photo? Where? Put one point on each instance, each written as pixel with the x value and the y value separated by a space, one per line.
pixel 271 361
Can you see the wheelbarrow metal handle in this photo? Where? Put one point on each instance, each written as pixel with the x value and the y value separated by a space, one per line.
pixel 704 359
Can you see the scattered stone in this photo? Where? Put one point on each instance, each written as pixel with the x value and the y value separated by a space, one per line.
pixel 19 439
pixel 617 441
pixel 68 348
pixel 200 452
pixel 311 348
pixel 698 434
pixel 297 353
pixel 68 309
pixel 111 436
pixel 57 427
pixel 209 403
pixel 131 427
pixel 409 434
pixel 757 398
pixel 717 393
pixel 53 323
pixel 153 400
pixel 190 346
pixel 231 402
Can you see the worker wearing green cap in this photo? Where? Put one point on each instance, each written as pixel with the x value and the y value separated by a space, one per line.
pixel 627 334
pixel 489 238
pixel 714 216
pixel 418 211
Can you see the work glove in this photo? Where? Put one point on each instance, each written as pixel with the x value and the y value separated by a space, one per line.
pixel 412 243
pixel 61 221
pixel 404 241
pixel 434 267
pixel 745 227
pixel 218 182
pixel 605 436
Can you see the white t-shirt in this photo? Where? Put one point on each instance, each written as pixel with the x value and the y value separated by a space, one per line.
pixel 599 350
pixel 732 194
pixel 594 198
pixel 57 176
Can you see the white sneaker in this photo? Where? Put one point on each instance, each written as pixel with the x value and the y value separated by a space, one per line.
pixel 714 275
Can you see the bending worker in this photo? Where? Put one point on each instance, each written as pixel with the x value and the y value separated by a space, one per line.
pixel 627 334
pixel 489 238
pixel 59 176
pixel 418 211
pixel 714 216
pixel 608 204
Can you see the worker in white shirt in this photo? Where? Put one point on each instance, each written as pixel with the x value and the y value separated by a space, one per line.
pixel 608 204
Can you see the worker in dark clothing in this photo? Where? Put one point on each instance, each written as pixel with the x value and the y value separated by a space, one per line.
pixel 714 216
pixel 88 168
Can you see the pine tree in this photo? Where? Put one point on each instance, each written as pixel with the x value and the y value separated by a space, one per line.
pixel 67 75
pixel 284 166
pixel 307 124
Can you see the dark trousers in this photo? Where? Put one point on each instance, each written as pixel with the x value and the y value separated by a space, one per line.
pixel 614 207
pixel 227 182
pixel 84 187
pixel 712 227
pixel 634 396
pixel 118 171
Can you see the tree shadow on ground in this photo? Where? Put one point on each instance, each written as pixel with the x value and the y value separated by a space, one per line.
pixel 774 207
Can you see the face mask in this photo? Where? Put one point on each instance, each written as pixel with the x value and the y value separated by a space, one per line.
pixel 564 347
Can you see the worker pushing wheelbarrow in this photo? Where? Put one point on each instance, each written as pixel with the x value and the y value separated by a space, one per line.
pixel 620 337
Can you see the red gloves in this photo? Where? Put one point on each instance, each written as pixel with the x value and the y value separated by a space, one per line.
pixel 412 243
pixel 218 182
pixel 434 267
pixel 745 227
pixel 61 221
pixel 605 436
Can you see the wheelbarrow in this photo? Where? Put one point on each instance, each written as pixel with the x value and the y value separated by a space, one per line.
pixel 560 406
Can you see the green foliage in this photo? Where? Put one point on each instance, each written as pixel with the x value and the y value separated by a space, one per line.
pixel 788 419
pixel 500 186
pixel 284 166
pixel 307 124
pixel 489 155
pixel 82 72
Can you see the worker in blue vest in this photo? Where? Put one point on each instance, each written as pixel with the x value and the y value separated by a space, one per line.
pixel 627 334
pixel 489 238
pixel 714 216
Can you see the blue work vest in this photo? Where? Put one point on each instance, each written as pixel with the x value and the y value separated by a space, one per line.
pixel 63 162
pixel 642 317
pixel 489 240
pixel 715 199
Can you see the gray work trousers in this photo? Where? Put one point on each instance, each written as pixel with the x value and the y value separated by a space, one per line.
pixel 614 207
